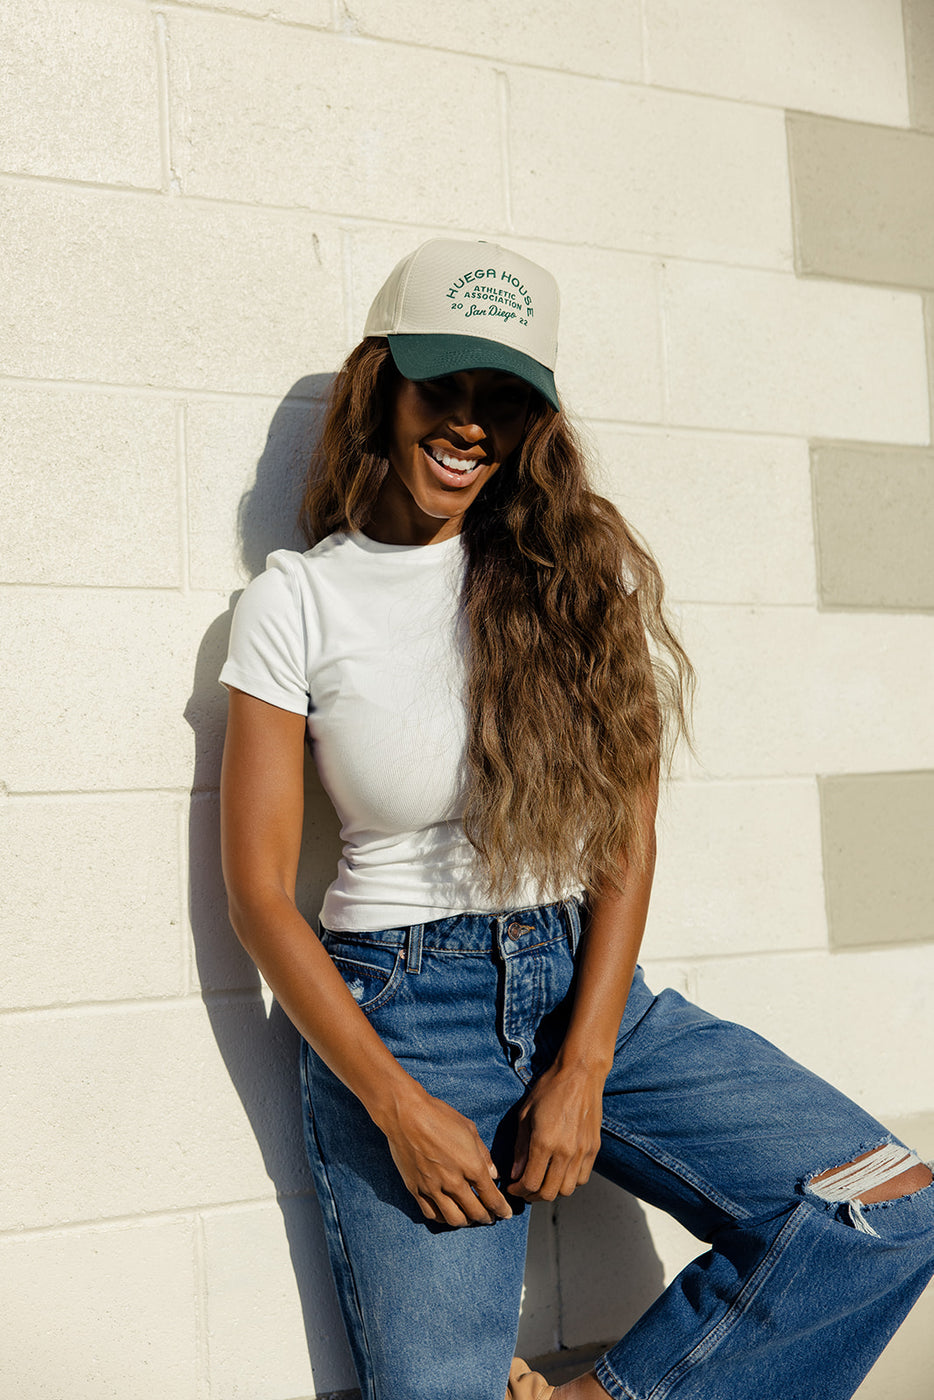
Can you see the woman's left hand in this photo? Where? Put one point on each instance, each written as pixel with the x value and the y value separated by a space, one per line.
pixel 559 1133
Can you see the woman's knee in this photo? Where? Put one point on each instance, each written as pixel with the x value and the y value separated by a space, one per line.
pixel 887 1173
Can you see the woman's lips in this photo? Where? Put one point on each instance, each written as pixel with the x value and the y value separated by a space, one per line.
pixel 461 475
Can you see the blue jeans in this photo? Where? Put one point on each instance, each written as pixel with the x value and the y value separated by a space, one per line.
pixel 795 1296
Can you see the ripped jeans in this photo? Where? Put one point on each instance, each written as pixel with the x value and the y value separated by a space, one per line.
pixel 799 1289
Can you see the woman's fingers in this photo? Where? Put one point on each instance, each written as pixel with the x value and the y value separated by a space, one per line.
pixel 558 1134
pixel 475 1199
pixel 428 1209
pixel 531 1161
pixel 447 1166
pixel 462 1204
pixel 475 1202
pixel 541 1163
pixel 520 1158
pixel 552 1173
pixel 577 1174
pixel 465 1208
pixel 490 1196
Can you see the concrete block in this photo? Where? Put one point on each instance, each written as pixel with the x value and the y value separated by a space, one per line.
pixel 609 351
pixel 919 49
pixel 317 14
pixel 81 91
pixel 290 117
pixel 863 200
pixel 107 689
pixel 610 1269
pixel 762 352
pixel 877 857
pixel 916 1129
pixel 150 1108
pixel 210 297
pixel 100 1312
pixel 728 518
pixel 588 38
pixel 646 170
pixel 273 1323
pixel 91 900
pixel 661 973
pixel 246 466
pixel 73 461
pixel 541 1312
pixel 791 691
pixel 371 251
pixel 860 1021
pixel 794 54
pixel 674 1246
pixel 738 870
pixel 540 1318
pixel 874 513
pixel 617 1256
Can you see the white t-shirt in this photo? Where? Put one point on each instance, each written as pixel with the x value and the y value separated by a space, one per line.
pixel 367 640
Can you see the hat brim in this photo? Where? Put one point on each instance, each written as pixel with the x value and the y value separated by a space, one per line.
pixel 431 356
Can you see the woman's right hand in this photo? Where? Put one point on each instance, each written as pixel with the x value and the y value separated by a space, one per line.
pixel 439 1153
pixel 444 1162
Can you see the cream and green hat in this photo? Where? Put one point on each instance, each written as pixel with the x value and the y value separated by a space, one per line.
pixel 454 305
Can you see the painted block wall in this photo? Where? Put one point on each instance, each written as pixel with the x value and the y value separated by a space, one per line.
pixel 197 202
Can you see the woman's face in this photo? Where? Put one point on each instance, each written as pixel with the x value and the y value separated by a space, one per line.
pixel 447 438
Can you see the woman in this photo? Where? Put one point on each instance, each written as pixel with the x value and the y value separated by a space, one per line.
pixel 465 648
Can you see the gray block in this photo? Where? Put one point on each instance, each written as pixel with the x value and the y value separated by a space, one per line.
pixel 919 52
pixel 874 526
pixel 862 200
pixel 878 844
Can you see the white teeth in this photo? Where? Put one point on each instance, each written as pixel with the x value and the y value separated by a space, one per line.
pixel 454 464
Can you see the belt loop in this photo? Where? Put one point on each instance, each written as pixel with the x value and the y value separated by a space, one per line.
pixel 413 948
pixel 573 916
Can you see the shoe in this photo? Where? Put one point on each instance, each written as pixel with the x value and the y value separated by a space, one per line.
pixel 525 1384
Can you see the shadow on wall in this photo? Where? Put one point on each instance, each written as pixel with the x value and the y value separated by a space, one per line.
pixel 260 1047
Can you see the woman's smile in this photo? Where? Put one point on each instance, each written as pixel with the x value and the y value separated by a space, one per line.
pixel 452 468
pixel 447 438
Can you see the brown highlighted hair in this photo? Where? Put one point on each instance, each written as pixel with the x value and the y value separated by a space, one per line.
pixel 577 686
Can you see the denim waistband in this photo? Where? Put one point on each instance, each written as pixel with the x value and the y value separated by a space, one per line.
pixel 511 931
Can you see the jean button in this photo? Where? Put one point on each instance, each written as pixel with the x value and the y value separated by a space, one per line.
pixel 515 932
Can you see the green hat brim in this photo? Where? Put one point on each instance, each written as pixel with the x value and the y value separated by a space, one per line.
pixel 431 356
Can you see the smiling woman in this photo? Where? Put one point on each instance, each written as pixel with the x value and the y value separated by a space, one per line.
pixel 476 650
pixel 448 436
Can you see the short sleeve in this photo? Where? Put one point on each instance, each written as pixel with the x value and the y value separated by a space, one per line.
pixel 267 653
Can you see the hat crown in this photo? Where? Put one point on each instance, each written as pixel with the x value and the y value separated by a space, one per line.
pixel 453 287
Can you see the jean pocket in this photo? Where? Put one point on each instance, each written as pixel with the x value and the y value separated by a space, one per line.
pixel 372 974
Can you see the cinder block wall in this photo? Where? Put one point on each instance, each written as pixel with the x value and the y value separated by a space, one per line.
pixel 198 202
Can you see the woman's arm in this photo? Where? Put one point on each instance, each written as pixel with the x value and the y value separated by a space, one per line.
pixel 559 1122
pixel 438 1151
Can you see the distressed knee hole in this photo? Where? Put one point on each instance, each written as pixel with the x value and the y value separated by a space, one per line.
pixel 882 1174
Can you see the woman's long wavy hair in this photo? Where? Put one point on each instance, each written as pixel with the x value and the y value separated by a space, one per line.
pixel 572 712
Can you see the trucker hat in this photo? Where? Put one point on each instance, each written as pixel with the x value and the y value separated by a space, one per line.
pixel 455 305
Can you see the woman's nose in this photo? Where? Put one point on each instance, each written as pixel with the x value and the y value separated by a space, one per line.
pixel 469 414
pixel 469 431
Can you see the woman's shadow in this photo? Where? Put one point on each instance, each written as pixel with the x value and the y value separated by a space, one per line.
pixel 258 1043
